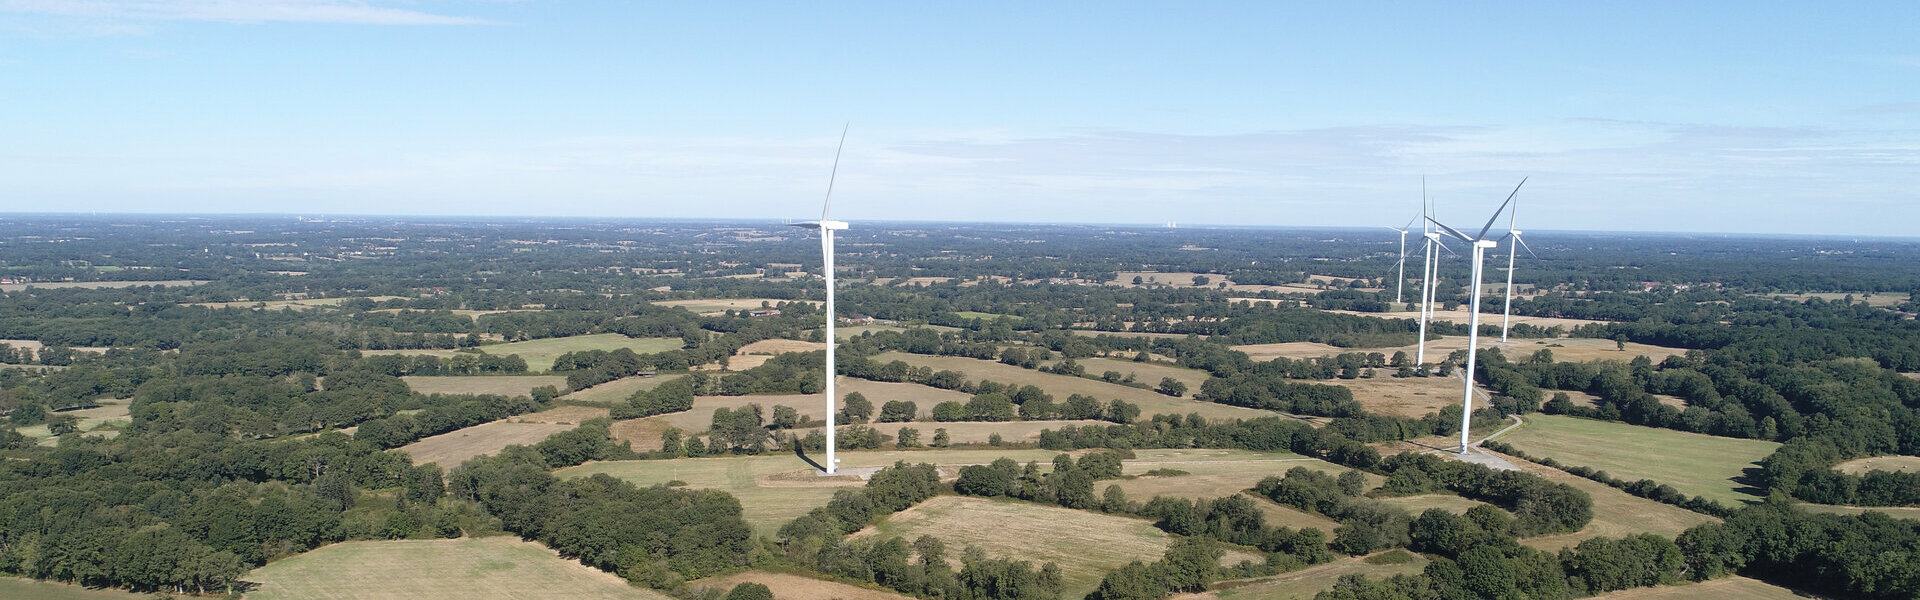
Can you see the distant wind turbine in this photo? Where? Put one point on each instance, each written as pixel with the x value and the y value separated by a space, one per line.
pixel 1513 249
pixel 827 227
pixel 1429 274
pixel 1480 246
pixel 1400 268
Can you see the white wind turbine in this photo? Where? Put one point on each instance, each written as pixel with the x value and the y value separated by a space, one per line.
pixel 1513 249
pixel 1428 273
pixel 1480 246
pixel 1400 268
pixel 827 227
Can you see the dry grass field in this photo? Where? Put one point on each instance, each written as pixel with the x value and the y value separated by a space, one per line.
pixel 1695 464
pixel 301 304
pixel 15 588
pixel 1147 372
pixel 716 306
pixel 1615 513
pixel 618 390
pixel 775 488
pixel 454 447
pixel 1419 504
pixel 1154 278
pixel 94 285
pixel 757 353
pixel 493 567
pixel 1402 396
pixel 1144 334
pixel 1898 512
pixel 1086 545
pixel 539 354
pixel 1725 587
pixel 1211 473
pixel 1880 300
pixel 1584 349
pixel 1304 584
pixel 1061 386
pixel 1898 464
pixel 1281 515
pixel 794 587
pixel 1461 316
pixel 505 385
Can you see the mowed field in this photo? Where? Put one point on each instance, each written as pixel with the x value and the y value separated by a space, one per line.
pixel 1615 513
pixel 1898 512
pixel 775 488
pixel 454 447
pixel 1148 372
pixel 1210 473
pixel 618 390
pixel 1898 464
pixel 492 567
pixel 1419 504
pixel 1086 545
pixel 1304 584
pixel 645 433
pixel 539 354
pixel 714 306
pixel 757 353
pixel 505 385
pixel 1695 464
pixel 1061 386
pixel 14 588
pixel 1402 396
pixel 1725 587
pixel 794 587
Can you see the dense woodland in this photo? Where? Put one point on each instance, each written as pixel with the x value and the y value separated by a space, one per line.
pixel 237 387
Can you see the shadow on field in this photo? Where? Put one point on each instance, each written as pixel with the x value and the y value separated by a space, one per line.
pixel 802 453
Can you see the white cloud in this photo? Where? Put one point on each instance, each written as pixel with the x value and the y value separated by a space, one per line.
pixel 235 11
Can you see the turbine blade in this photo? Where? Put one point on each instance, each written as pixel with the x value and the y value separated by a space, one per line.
pixel 1450 231
pixel 1503 208
pixel 828 204
pixel 1523 244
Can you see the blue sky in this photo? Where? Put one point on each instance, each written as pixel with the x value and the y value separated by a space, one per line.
pixel 1750 117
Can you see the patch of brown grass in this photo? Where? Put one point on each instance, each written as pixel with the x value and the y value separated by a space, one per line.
pixel 505 385
pixel 795 587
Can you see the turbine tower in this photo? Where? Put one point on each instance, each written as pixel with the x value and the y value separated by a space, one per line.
pixel 1513 249
pixel 1480 246
pixel 1400 268
pixel 827 227
pixel 1429 273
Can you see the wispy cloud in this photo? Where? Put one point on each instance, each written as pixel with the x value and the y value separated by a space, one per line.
pixel 236 11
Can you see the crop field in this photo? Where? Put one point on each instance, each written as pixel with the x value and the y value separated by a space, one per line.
pixel 715 306
pixel 95 285
pixel 794 587
pixel 1304 584
pixel 1147 372
pixel 490 567
pixel 775 488
pixel 15 588
pixel 1695 464
pixel 1061 386
pixel 1898 464
pixel 1615 513
pixel 618 390
pixel 1725 587
pixel 505 385
pixel 1086 545
pixel 454 447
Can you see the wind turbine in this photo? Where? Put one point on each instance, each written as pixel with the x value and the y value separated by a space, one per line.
pixel 1480 246
pixel 1429 273
pixel 1506 314
pixel 827 227
pixel 1400 268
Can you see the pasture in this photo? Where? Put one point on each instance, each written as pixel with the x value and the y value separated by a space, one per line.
pixel 1304 584
pixel 1725 587
pixel 1897 464
pixel 757 353
pixel 1584 349
pixel 454 447
pixel 504 385
pixel 1086 545
pixel 717 306
pixel 1898 512
pixel 95 285
pixel 1210 473
pixel 1155 278
pixel 1061 386
pixel 1696 464
pixel 1149 373
pixel 1402 396
pixel 618 390
pixel 1419 504
pixel 794 587
pixel 775 488
pixel 491 567
pixel 16 588
pixel 297 304
pixel 1615 513
pixel 540 353
pixel 1461 316
pixel 1143 334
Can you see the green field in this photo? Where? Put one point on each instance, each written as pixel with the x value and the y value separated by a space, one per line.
pixel 14 588
pixel 1695 464
pixel 539 354
pixel 1418 504
pixel 1305 583
pixel 1061 386
pixel 618 390
pixel 492 567
pixel 1086 545
pixel 775 488
pixel 1615 513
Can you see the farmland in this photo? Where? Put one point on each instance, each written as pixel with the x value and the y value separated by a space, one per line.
pixel 1061 386
pixel 1085 544
pixel 1695 464
pixel 13 588
pixel 96 285
pixel 505 385
pixel 454 447
pixel 1211 473
pixel 1615 513
pixel 1725 587
pixel 715 306
pixel 618 390
pixel 1305 583
pixel 795 587
pixel 1899 464
pixel 540 353
pixel 490 567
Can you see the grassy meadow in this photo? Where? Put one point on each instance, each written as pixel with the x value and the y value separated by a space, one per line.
pixel 454 447
pixel 15 588
pixel 1695 464
pixel 1061 386
pixel 505 385
pixel 492 567
pixel 1305 583
pixel 1615 513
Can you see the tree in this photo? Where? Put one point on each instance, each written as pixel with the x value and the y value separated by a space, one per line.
pixel 1172 387
pixel 1137 280
pixel 1352 482
pixel 907 438
pixel 784 417
pixel 1201 281
pixel 897 411
pixel 941 439
pixel 855 408
pixel 1113 500
pixel 750 591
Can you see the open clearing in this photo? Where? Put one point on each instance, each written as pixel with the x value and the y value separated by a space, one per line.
pixel 1061 386
pixel 504 385
pixel 1725 587
pixel 454 447
pixel 1306 583
pixel 775 488
pixel 1419 504
pixel 1615 513
pixel 1153 278
pixel 1147 372
pixel 617 390
pixel 1882 300
pixel 539 354
pixel 490 567
pixel 15 287
pixel 757 353
pixel 1898 512
pixel 795 587
pixel 1898 464
pixel 15 588
pixel 1584 349
pixel 716 306
pixel 1401 396
pixel 1695 464
pixel 1086 545
pixel 1210 473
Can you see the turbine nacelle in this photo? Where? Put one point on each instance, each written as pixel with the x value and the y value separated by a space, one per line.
pixel 833 225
